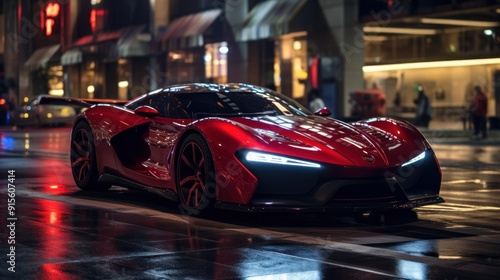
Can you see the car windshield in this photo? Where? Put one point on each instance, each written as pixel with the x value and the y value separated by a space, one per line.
pixel 197 105
pixel 231 104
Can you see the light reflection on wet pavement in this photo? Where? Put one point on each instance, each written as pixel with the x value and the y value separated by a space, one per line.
pixel 71 239
pixel 68 234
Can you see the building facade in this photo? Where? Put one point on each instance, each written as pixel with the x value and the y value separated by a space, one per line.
pixel 448 47
pixel 121 49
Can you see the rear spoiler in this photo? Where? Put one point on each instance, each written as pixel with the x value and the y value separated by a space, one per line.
pixel 93 101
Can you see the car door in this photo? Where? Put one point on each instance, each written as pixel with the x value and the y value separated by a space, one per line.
pixel 161 135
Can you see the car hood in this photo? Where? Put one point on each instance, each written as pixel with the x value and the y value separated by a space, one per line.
pixel 325 139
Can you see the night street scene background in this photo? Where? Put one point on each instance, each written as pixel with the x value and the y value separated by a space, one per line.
pixel 365 58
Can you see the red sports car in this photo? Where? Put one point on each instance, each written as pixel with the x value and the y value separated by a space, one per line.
pixel 248 148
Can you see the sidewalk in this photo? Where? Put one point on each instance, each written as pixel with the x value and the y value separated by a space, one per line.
pixel 448 132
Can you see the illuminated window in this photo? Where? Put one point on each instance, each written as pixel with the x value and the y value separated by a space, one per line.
pixel 216 62
pixel 55 80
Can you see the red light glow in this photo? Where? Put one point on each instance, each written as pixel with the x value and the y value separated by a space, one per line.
pixel 314 72
pixel 51 11
pixel 54 187
pixel 2 101
pixel 93 17
pixel 49 23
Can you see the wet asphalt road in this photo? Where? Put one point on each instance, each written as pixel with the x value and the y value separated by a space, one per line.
pixel 61 232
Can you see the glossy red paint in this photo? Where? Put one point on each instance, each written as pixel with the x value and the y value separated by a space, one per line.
pixel 146 111
pixel 143 147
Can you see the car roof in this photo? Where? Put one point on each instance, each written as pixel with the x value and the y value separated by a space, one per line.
pixel 210 87
pixel 205 87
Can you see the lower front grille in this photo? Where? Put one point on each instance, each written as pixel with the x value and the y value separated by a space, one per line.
pixel 379 190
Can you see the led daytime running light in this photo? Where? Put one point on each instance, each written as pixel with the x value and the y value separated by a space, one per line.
pixel 268 158
pixel 415 159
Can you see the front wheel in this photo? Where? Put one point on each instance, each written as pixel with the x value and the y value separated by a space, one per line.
pixel 83 159
pixel 195 176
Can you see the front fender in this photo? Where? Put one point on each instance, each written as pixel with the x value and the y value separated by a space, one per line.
pixel 401 129
pixel 402 141
pixel 235 183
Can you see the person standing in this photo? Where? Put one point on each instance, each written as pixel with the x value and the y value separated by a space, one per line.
pixel 479 110
pixel 424 113
pixel 315 102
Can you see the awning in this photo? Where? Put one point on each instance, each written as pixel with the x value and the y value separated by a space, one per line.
pixel 269 19
pixel 41 57
pixel 99 38
pixel 70 57
pixel 109 46
pixel 134 42
pixel 188 31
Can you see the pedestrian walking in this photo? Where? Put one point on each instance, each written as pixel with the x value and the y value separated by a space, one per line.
pixel 479 110
pixel 315 102
pixel 424 110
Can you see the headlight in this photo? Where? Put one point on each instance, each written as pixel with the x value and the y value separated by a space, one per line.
pixel 274 159
pixel 415 159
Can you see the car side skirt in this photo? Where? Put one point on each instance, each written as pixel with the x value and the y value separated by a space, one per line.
pixel 120 181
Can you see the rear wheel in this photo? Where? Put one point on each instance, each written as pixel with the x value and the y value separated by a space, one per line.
pixel 195 176
pixel 83 159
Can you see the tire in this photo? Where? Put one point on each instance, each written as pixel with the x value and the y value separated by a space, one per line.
pixel 83 159
pixel 195 176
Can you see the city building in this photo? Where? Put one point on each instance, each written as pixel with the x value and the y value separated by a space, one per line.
pixel 121 49
pixel 445 46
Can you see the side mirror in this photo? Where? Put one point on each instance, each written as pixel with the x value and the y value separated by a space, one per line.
pixel 323 112
pixel 146 111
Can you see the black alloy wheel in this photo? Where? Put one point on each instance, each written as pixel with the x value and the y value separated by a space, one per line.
pixel 83 159
pixel 195 176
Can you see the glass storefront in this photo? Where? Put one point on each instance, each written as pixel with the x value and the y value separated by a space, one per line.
pixel 290 65
pixel 55 80
pixel 449 88
pixel 452 43
pixel 216 62
pixel 448 61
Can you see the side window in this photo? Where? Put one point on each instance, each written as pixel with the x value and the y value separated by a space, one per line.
pixel 158 102
pixel 174 108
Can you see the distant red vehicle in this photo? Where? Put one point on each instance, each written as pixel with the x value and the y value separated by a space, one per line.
pixel 368 103
pixel 248 148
